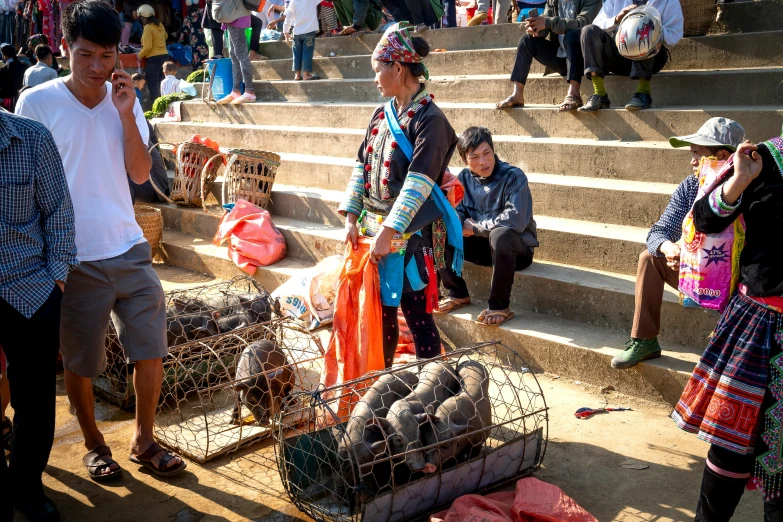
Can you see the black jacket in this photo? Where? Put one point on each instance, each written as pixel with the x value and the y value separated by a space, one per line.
pixel 761 261
pixel 12 78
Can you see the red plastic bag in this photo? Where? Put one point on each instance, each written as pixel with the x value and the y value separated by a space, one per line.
pixel 253 240
pixel 452 188
pixel 533 501
pixel 356 344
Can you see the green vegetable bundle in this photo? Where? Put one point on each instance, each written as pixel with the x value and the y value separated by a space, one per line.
pixel 198 76
pixel 161 105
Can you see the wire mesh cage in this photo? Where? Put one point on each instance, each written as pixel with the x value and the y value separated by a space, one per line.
pixel 191 314
pixel 399 444
pixel 224 392
pixel 250 175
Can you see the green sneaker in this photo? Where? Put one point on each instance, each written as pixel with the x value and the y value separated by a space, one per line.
pixel 636 351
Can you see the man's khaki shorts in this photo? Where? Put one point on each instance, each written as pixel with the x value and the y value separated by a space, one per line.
pixel 125 288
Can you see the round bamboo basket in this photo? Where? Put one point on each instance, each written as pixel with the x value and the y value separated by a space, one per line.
pixel 150 220
pixel 250 175
pixel 698 16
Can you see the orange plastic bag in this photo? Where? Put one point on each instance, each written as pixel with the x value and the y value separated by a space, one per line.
pixel 533 501
pixel 253 240
pixel 356 344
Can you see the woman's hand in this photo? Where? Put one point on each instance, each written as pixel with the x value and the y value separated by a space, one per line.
pixel 381 244
pixel 351 230
pixel 747 167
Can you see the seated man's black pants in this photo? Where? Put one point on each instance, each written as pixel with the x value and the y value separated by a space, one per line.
pixel 602 57
pixel 504 251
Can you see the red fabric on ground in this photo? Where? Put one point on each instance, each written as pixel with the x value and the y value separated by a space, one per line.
pixel 253 240
pixel 533 501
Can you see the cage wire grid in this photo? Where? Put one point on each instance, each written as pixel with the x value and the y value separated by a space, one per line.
pixel 191 314
pixel 330 479
pixel 223 393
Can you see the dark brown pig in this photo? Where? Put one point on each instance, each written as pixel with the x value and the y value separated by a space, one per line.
pixel 264 380
pixel 190 327
pixel 467 412
pixel 437 382
pixel 363 440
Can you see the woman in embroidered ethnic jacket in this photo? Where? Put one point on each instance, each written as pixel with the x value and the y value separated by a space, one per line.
pixel 734 399
pixel 394 196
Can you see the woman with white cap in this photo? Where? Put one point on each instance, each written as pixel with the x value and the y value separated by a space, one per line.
pixel 153 48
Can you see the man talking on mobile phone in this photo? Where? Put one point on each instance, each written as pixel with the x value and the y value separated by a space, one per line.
pixel 101 134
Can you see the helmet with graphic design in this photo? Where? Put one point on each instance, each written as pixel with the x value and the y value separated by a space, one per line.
pixel 640 34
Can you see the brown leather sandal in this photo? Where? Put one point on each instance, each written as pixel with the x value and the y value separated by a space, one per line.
pixel 508 103
pixel 145 459
pixel 98 461
pixel 571 103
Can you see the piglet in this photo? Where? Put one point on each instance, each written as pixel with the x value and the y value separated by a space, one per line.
pixel 467 412
pixel 233 322
pixel 363 439
pixel 437 382
pixel 190 327
pixel 263 380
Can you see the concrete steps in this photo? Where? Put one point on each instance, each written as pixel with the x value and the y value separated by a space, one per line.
pixel 539 121
pixel 755 17
pixel 763 49
pixel 615 160
pixel 676 88
pixel 585 295
pixel 558 345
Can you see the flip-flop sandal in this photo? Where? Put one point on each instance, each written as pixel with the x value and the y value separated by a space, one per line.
pixel 313 77
pixel 508 103
pixel 99 460
pixel 571 103
pixel 7 430
pixel 444 308
pixel 507 316
pixel 145 459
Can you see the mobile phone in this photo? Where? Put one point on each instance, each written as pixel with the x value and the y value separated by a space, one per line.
pixel 533 13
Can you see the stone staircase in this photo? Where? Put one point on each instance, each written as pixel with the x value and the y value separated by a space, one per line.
pixel 598 181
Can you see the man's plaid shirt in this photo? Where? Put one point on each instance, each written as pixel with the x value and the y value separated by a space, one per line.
pixel 37 244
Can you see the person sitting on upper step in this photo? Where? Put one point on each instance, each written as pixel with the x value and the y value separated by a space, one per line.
pixel 498 226
pixel 602 56
pixel 553 40
pixel 659 264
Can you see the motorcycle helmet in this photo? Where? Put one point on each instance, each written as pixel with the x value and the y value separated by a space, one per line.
pixel 145 11
pixel 640 34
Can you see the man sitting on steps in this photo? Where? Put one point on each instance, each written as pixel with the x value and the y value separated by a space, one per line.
pixel 660 263
pixel 498 225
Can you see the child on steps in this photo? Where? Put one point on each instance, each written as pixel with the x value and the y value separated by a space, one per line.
pixel 303 16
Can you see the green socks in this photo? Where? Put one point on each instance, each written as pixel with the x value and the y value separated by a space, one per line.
pixel 598 85
pixel 644 86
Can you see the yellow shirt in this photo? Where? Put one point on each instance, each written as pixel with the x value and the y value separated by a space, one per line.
pixel 153 41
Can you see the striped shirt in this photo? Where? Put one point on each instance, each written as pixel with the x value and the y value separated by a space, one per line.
pixel 669 226
pixel 37 245
pixel 170 85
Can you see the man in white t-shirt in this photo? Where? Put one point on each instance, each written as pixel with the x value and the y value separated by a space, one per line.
pixel 101 134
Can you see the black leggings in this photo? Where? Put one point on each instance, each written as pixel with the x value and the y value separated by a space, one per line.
pixel 720 493
pixel 255 37
pixel 421 324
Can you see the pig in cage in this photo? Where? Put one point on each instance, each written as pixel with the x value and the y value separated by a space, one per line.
pixel 399 444
pixel 191 314
pixel 224 392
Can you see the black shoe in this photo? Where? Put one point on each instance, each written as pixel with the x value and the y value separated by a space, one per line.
pixel 40 510
pixel 640 101
pixel 595 102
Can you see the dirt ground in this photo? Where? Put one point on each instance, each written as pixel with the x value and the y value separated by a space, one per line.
pixel 584 457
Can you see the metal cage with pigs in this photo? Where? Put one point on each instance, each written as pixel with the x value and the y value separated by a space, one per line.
pixel 191 314
pixel 398 444
pixel 224 392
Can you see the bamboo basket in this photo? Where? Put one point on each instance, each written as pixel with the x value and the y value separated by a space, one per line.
pixel 195 171
pixel 250 175
pixel 150 220
pixel 698 16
